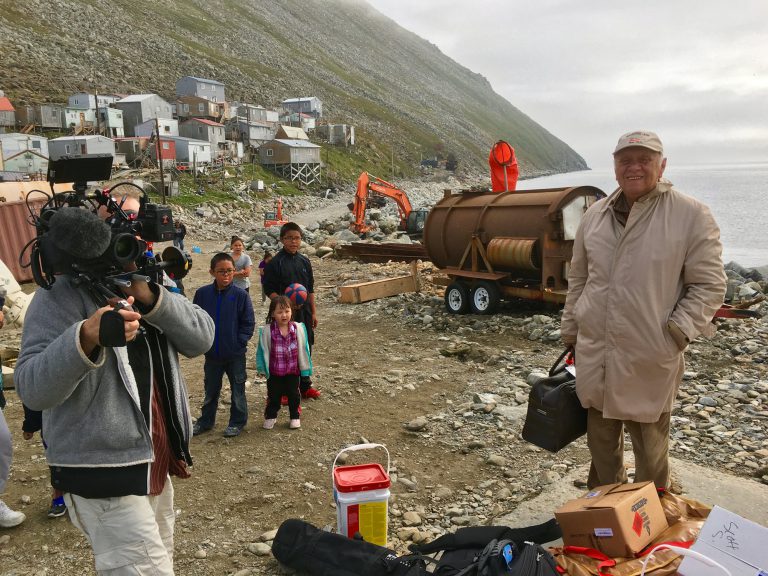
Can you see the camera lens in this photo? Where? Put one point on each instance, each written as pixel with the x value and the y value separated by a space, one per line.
pixel 125 248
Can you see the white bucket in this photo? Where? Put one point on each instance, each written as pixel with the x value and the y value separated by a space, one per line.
pixel 361 494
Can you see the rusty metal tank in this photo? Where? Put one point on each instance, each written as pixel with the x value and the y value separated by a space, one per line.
pixel 526 233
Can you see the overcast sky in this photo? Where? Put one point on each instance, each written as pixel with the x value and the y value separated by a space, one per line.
pixel 695 71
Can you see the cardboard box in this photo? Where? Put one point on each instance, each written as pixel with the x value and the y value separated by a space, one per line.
pixel 617 519
pixel 738 544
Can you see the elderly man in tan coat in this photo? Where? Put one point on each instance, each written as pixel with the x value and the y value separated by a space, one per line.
pixel 646 279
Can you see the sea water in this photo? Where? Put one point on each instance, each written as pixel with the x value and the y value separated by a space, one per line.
pixel 737 194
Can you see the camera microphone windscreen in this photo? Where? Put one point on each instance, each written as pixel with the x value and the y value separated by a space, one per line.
pixel 79 233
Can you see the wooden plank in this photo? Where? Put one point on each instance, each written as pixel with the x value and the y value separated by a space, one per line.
pixel 366 291
pixel 476 275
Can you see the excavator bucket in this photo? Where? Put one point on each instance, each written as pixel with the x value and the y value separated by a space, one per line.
pixel 504 170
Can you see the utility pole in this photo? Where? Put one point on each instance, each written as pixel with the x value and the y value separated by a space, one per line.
pixel 98 119
pixel 159 145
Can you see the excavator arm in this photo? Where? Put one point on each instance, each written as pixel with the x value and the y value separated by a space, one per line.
pixel 369 184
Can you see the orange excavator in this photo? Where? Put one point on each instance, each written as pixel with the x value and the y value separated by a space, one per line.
pixel 370 187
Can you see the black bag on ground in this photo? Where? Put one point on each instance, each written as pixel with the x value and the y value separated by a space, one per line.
pixel 555 415
pixel 303 547
pixel 475 551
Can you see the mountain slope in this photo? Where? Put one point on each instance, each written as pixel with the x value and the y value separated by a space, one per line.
pixel 396 87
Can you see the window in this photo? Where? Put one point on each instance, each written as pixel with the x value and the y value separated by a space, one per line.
pixel 199 129
pixel 67 149
pixel 166 146
pixel 185 107
pixel 83 148
pixel 166 128
pixel 36 144
pixel 201 107
pixel 270 152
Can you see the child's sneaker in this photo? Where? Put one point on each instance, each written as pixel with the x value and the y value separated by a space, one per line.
pixel 269 423
pixel 10 518
pixel 294 423
pixel 311 393
pixel 58 508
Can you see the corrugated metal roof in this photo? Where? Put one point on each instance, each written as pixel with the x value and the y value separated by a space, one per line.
pixel 15 229
pixel 205 121
pixel 185 139
pixel 206 80
pixel 291 100
pixel 135 98
pixel 15 232
pixel 296 143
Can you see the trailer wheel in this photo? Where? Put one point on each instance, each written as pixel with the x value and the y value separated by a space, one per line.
pixel 457 298
pixel 485 298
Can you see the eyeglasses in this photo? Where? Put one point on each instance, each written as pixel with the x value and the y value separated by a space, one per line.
pixel 226 272
pixel 291 238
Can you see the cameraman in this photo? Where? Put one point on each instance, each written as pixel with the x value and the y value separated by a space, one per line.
pixel 117 420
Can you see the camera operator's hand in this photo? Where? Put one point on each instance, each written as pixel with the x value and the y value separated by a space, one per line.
pixel 90 330
pixel 2 317
pixel 141 292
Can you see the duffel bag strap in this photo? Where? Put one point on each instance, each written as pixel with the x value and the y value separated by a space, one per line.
pixel 557 367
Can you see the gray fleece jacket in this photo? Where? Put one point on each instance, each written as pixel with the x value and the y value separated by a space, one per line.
pixel 91 409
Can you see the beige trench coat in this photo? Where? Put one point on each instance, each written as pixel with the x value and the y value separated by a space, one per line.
pixel 625 285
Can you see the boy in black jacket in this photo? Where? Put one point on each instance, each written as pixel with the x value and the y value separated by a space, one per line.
pixel 288 267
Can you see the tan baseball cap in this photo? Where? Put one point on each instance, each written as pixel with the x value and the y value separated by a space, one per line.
pixel 642 138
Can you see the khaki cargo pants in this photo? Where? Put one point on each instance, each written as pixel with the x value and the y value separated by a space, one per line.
pixel 650 444
pixel 129 535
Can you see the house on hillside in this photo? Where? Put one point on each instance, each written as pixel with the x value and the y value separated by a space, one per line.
pixel 203 129
pixel 40 116
pixel 250 133
pixel 86 101
pixel 78 145
pixel 310 105
pixel 168 127
pixel 290 133
pixel 93 114
pixel 191 151
pixel 212 90
pixel 7 115
pixel 25 153
pixel 337 134
pixel 196 107
pixel 134 150
pixel 138 108
pixel 253 113
pixel 297 160
pixel 303 121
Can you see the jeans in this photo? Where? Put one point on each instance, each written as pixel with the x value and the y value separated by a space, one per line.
pixel 179 243
pixel 214 373
pixel 6 452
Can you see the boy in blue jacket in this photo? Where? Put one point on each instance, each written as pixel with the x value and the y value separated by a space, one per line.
pixel 232 313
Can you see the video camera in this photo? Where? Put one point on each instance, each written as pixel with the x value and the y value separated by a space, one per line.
pixel 103 252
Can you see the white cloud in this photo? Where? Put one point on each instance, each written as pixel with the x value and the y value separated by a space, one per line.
pixel 695 71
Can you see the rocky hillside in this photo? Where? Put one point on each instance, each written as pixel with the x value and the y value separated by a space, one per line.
pixel 399 89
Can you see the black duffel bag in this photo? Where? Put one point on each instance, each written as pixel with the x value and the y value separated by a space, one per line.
pixel 314 552
pixel 555 415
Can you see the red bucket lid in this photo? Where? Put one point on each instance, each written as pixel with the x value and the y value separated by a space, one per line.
pixel 360 478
